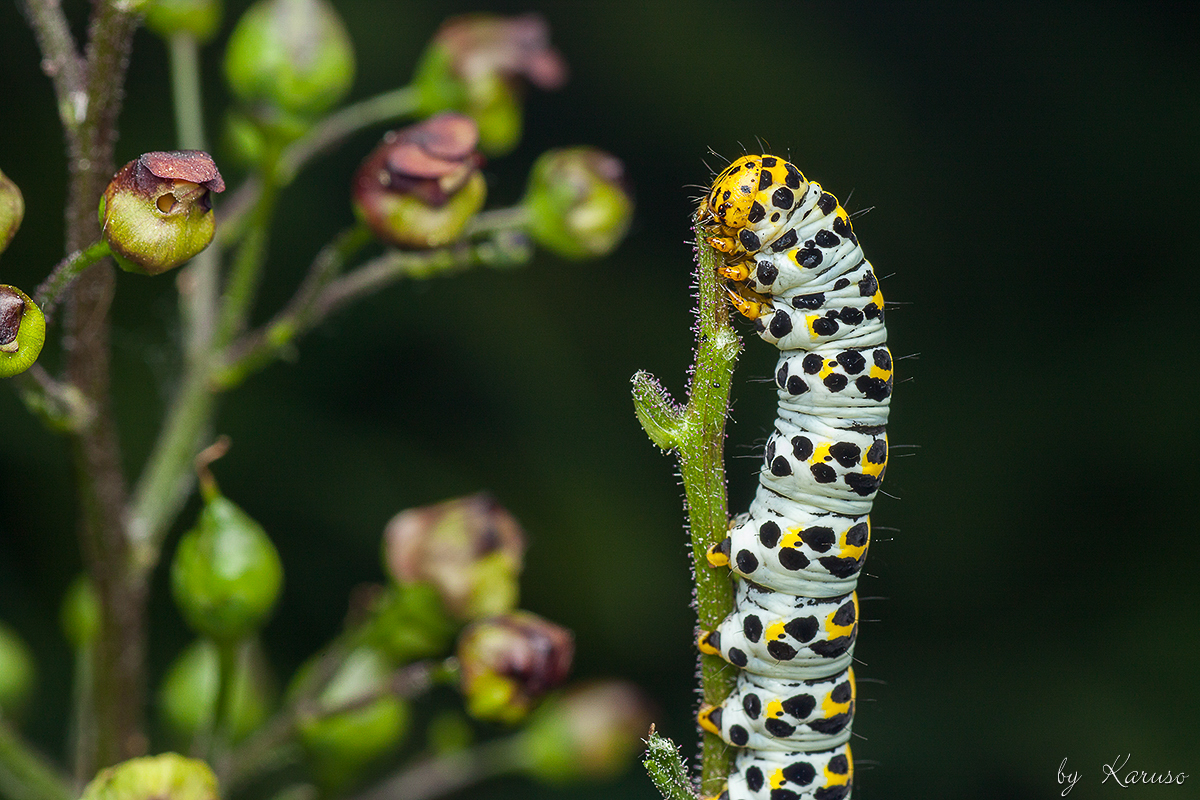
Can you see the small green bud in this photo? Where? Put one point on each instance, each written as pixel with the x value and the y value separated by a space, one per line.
pixel 410 622
pixel 590 733
pixel 188 696
pixel 17 672
pixel 470 549
pixel 292 55
pixel 198 18
pixel 226 575
pixel 22 331
pixel 578 202
pixel 166 777
pixel 340 745
pixel 12 210
pixel 508 662
pixel 478 64
pixel 422 184
pixel 80 613
pixel 157 211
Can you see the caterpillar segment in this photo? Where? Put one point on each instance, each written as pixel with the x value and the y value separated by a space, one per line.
pixel 794 268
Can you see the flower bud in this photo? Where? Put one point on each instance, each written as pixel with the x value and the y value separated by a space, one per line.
pixel 422 184
pixel 166 777
pixel 590 733
pixel 508 662
pixel 157 211
pixel 12 210
pixel 188 696
pixel 469 549
pixel 290 55
pixel 226 575
pixel 17 672
pixel 340 745
pixel 578 202
pixel 478 63
pixel 410 622
pixel 80 613
pixel 22 331
pixel 197 18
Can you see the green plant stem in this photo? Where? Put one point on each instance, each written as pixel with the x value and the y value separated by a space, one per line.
pixel 66 271
pixel 248 263
pixel 25 774
pixel 697 434
pixel 443 774
pixel 199 280
pixel 667 769
pixel 258 348
pixel 185 90
pixel 323 293
pixel 327 133
pixel 60 56
pixel 345 122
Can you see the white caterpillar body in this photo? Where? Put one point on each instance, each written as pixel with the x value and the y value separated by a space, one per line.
pixel 796 270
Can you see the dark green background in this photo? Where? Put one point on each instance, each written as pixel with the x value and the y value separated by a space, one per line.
pixel 1032 174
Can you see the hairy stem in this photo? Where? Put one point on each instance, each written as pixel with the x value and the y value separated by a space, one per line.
pixel 67 270
pixel 89 101
pixel 697 435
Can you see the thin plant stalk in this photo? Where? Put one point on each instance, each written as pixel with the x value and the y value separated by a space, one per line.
pixel 696 433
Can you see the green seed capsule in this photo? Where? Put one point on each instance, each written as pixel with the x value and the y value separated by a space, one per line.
pixel 578 202
pixel 291 55
pixel 590 733
pixel 22 331
pixel 166 777
pixel 157 211
pixel 226 575
pixel 341 745
pixel 12 210
pixel 17 672
pixel 188 696
pixel 198 18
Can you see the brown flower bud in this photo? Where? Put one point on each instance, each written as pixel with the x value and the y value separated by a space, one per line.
pixel 478 64
pixel 508 662
pixel 422 184
pixel 469 549
pixel 157 211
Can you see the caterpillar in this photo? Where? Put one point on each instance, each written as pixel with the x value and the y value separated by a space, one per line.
pixel 794 267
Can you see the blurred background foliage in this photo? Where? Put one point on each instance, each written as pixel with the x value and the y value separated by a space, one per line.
pixel 1030 170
